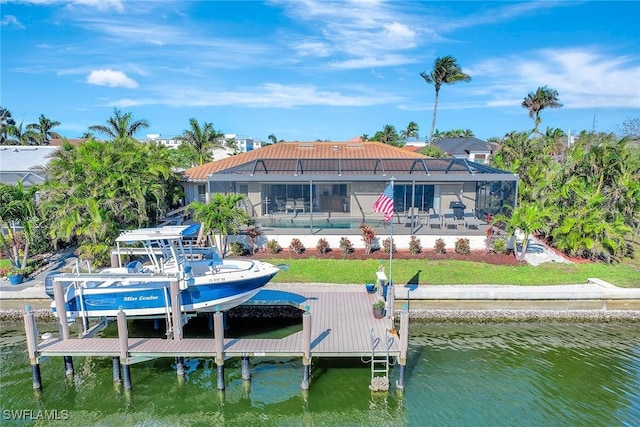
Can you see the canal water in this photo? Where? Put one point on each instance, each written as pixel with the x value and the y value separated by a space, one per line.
pixel 457 375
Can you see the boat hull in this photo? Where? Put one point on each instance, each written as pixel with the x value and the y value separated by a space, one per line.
pixel 154 299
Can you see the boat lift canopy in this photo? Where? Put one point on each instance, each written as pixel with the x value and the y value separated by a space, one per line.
pixel 173 232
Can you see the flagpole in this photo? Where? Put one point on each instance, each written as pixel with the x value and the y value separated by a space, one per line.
pixel 392 179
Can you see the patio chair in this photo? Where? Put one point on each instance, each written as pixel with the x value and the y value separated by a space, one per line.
pixel 282 207
pixel 470 220
pixel 290 205
pixel 298 205
pixel 450 220
pixel 434 220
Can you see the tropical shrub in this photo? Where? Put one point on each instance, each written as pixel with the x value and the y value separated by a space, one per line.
pixel 387 247
pixel 296 246
pixel 462 246
pixel 322 246
pixel 414 245
pixel 439 247
pixel 346 246
pixel 252 234
pixel 499 245
pixel 273 246
pixel 237 249
pixel 368 236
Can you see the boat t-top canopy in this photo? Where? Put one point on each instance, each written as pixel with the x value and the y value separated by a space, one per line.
pixel 173 232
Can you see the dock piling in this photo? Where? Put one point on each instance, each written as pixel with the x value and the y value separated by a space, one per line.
pixel 403 346
pixel 218 330
pixel 61 310
pixel 180 366
pixel 68 366
pixel 32 347
pixel 246 369
pixel 117 378
pixel 306 348
pixel 176 312
pixel 123 337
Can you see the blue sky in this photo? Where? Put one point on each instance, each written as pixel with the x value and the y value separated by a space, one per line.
pixel 306 69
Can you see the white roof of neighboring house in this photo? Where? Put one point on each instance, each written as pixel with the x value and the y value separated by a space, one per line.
pixel 24 163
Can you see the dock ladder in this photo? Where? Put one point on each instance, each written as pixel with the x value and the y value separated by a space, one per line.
pixel 380 362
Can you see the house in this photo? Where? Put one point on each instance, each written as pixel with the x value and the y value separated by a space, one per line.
pixel 24 163
pixel 329 179
pixel 472 149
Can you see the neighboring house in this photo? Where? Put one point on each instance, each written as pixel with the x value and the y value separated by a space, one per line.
pixel 345 178
pixel 472 149
pixel 24 163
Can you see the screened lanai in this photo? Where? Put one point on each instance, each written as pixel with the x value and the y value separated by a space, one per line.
pixel 316 181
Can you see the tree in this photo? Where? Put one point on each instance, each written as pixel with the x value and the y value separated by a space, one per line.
pixel 631 129
pixel 201 139
pixel 16 135
pixel 410 132
pixel 445 71
pixel 43 127
pixel 388 135
pixel 272 138
pixel 543 98
pixel 120 126
pixel 95 190
pixel 364 137
pixel 453 133
pixel 527 218
pixel 6 122
pixel 220 217
pixel 433 151
pixel 17 208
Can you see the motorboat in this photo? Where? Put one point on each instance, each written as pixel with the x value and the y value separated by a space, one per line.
pixel 205 281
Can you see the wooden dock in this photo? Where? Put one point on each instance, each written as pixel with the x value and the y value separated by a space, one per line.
pixel 342 325
pixel 336 322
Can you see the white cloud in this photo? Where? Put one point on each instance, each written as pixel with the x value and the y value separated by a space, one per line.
pixel 584 78
pixel 11 21
pixel 97 4
pixel 268 95
pixel 112 78
pixel 358 34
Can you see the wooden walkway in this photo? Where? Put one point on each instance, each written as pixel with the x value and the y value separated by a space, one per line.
pixel 342 325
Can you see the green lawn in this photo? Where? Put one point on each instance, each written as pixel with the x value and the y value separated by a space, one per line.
pixel 443 272
pixel 452 272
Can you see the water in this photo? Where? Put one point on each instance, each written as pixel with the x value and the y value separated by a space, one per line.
pixel 507 374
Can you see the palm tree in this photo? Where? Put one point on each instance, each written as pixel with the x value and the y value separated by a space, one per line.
pixel 120 126
pixel 410 132
pixel 6 122
pixel 364 137
pixel 221 217
pixel 445 71
pixel 17 206
pixel 95 190
pixel 433 151
pixel 272 138
pixel 16 136
pixel 387 135
pixel 201 140
pixel 527 218
pixel 543 98
pixel 43 127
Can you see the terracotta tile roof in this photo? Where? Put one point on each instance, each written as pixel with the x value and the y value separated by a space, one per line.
pixel 305 150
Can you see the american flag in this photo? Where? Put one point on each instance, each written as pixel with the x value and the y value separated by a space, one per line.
pixel 384 203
